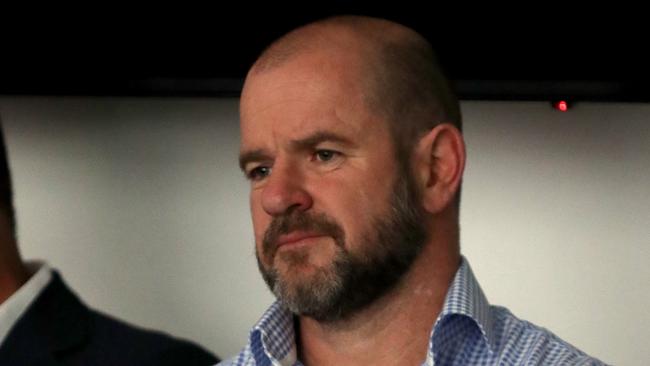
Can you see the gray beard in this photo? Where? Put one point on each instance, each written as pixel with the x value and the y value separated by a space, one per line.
pixel 353 280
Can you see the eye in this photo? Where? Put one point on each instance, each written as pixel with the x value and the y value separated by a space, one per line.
pixel 326 155
pixel 258 173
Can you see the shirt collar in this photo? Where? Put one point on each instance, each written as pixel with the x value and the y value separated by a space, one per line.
pixel 17 304
pixel 466 298
pixel 272 339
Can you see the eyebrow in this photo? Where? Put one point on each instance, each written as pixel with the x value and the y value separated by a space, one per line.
pixel 319 137
pixel 305 143
pixel 253 155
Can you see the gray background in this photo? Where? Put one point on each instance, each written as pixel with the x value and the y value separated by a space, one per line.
pixel 140 204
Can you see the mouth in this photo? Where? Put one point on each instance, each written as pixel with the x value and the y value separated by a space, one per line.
pixel 297 238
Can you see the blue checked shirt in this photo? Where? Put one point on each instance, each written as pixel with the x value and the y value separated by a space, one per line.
pixel 469 331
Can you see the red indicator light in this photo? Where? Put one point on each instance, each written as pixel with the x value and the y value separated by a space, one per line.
pixel 561 105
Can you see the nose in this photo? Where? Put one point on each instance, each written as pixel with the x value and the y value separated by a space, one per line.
pixel 285 191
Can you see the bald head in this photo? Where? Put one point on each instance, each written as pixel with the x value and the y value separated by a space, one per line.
pixel 337 130
pixel 400 74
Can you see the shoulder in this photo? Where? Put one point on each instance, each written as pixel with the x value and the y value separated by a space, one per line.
pixel 523 343
pixel 65 328
pixel 115 338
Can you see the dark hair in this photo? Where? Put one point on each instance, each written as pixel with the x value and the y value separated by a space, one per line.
pixel 409 87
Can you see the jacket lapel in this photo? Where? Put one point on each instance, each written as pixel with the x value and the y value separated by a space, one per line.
pixel 54 325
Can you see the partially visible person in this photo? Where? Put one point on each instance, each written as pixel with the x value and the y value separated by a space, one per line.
pixel 351 140
pixel 42 321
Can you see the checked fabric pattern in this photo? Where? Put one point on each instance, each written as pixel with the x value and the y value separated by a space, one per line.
pixel 468 331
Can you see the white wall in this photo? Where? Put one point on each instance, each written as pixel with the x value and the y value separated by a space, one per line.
pixel 141 206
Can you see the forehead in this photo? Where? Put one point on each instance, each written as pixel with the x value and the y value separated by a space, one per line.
pixel 306 94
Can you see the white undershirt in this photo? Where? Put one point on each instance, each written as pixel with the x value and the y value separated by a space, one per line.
pixel 13 308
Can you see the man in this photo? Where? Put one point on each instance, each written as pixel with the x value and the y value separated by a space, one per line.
pixel 42 322
pixel 350 137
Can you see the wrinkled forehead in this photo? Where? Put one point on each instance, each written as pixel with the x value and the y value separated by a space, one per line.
pixel 318 70
pixel 304 91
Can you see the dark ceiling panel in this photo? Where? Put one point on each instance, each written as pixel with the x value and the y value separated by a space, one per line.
pixel 490 53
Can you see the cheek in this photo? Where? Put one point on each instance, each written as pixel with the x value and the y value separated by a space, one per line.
pixel 377 197
pixel 260 219
pixel 356 209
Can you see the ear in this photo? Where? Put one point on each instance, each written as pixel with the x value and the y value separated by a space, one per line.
pixel 439 164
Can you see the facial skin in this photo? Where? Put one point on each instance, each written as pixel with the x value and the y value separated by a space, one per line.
pixel 356 230
pixel 335 225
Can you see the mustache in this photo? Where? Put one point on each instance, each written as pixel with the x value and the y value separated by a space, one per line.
pixel 319 224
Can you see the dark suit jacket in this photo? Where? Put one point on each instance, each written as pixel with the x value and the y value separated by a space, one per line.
pixel 58 329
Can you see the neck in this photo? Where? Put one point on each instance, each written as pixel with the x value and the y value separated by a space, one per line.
pixel 13 273
pixel 395 329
